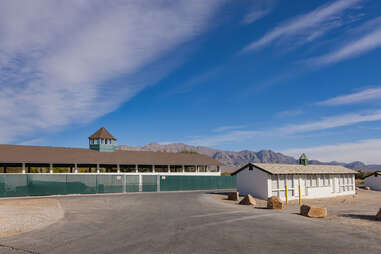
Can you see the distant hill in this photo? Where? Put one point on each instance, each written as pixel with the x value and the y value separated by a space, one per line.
pixel 233 160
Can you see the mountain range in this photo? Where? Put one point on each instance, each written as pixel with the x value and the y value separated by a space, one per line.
pixel 233 160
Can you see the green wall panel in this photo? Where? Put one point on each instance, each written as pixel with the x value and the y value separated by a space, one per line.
pixel 173 183
pixel 149 183
pixel 132 183
pixel 13 185
pixel 109 183
pixel 46 184
pixel 81 184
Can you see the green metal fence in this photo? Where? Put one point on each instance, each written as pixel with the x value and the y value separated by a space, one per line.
pixel 13 185
pixel 174 183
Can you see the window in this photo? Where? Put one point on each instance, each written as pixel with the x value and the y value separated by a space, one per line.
pixel 326 180
pixel 313 180
pixel 346 183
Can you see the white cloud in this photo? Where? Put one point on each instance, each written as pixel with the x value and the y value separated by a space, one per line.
pixel 59 59
pixel 259 9
pixel 236 136
pixel 229 127
pixel 367 151
pixel 332 122
pixel 364 44
pixel 358 97
pixel 308 26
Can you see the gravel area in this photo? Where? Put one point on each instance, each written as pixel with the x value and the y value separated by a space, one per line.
pixel 355 210
pixel 23 215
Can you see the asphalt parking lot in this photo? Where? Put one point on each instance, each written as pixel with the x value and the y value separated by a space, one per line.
pixel 185 222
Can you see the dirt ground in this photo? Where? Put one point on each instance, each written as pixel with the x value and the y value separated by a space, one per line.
pixel 23 215
pixel 356 210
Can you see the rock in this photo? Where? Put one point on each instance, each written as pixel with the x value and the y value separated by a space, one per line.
pixel 233 196
pixel 274 203
pixel 313 212
pixel 378 216
pixel 366 188
pixel 357 188
pixel 248 200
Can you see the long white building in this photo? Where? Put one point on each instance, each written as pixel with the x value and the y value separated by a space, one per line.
pixel 314 181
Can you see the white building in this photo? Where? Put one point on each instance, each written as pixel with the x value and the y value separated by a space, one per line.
pixel 315 181
pixel 374 181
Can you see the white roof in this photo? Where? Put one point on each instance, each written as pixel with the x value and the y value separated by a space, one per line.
pixel 276 169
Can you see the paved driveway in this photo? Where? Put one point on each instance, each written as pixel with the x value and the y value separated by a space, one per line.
pixel 185 222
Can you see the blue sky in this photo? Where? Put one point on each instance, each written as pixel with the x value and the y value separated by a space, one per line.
pixel 291 76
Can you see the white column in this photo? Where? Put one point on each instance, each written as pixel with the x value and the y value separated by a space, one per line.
pixel 23 168
pixel 206 168
pixel 98 169
pixel 118 168
pixel 75 168
pixel 153 168
pixel 197 169
pixel 183 168
pixel 136 168
pixel 51 168
pixel 140 183
pixel 169 168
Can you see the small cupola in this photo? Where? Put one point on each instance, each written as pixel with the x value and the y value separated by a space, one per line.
pixel 303 160
pixel 102 141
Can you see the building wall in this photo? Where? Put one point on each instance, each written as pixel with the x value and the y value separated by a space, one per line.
pixel 263 185
pixel 312 186
pixel 253 182
pixel 373 182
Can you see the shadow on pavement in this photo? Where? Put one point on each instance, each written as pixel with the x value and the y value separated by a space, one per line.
pixel 360 216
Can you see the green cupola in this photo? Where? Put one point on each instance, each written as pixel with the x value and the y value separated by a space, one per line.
pixel 303 160
pixel 102 141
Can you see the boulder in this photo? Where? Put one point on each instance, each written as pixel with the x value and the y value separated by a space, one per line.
pixel 274 203
pixel 248 200
pixel 233 196
pixel 366 188
pixel 313 212
pixel 378 216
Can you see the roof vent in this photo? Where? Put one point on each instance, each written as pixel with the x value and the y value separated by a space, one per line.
pixel 303 160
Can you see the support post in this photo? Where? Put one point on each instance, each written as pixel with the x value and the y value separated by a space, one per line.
pixel 169 168
pixel 183 168
pixel 29 169
pixel 197 169
pixel 286 193
pixel 76 168
pixel 51 168
pixel 98 169
pixel 23 168
pixel 218 169
pixel 300 195
pixel 153 168
pixel 206 168
pixel 136 168
pixel 5 169
pixel 118 168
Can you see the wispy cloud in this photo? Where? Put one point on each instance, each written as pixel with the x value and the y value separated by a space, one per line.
pixel 235 136
pixel 259 9
pixel 230 127
pixel 358 97
pixel 308 26
pixel 361 45
pixel 59 60
pixel 367 151
pixel 332 122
